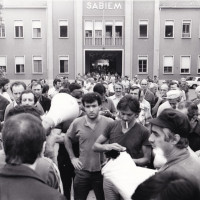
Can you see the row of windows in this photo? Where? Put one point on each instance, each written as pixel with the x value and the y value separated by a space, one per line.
pixel 168 64
pixel 37 64
pixel 186 29
pixel 98 32
pixel 36 29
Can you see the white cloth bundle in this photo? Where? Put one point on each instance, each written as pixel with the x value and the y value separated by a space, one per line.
pixel 125 175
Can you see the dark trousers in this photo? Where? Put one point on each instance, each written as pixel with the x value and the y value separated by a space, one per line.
pixel 84 181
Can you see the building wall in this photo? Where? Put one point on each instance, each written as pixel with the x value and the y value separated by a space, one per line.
pixel 63 10
pixel 180 46
pixel 26 46
pixel 76 12
pixel 143 10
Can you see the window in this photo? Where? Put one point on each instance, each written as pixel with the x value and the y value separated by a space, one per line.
pixel 88 32
pixel 19 29
pixel 198 69
pixel 2 29
pixel 63 24
pixel 185 65
pixel 98 26
pixel 108 30
pixel 3 63
pixel 169 29
pixel 37 64
pixel 168 63
pixel 186 29
pixel 118 32
pixel 143 64
pixel 36 26
pixel 143 24
pixel 19 64
pixel 64 64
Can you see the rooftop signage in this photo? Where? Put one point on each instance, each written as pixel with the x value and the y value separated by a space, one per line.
pixel 103 5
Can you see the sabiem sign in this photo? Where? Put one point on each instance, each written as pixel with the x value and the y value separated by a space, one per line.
pixel 103 5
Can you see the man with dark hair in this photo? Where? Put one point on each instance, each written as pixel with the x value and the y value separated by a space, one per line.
pixel 86 130
pixel 74 86
pixel 145 106
pixel 55 89
pixel 125 134
pixel 23 138
pixel 3 104
pixel 167 186
pixel 108 108
pixel 44 101
pixel 29 98
pixel 191 110
pixel 45 166
pixel 4 85
pixel 170 131
pixel 16 88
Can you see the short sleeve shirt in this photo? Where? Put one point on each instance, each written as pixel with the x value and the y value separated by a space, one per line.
pixel 133 140
pixel 80 131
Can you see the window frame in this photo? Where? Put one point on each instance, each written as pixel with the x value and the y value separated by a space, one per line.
pixel 140 20
pixel 190 31
pixel 147 59
pixel 6 62
pixel 92 37
pixel 167 66
pixel 33 64
pixel 3 22
pixel 16 68
pixel 98 30
pixel 60 26
pixel 40 29
pixel 60 66
pixel 115 32
pixel 181 63
pixel 165 29
pixel 19 26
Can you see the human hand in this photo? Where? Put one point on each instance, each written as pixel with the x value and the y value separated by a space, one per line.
pixel 115 146
pixel 77 163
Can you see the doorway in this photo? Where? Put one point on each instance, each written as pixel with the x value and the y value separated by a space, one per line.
pixel 103 62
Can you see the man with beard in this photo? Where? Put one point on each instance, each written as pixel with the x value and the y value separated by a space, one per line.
pixel 169 134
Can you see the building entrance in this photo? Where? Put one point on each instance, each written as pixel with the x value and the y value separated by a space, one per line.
pixel 103 61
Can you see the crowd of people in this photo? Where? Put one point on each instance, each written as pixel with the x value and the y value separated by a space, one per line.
pixel 155 122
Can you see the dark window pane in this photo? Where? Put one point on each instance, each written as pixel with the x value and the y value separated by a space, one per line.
pixel 63 31
pixel 63 66
pixel 168 31
pixel 108 31
pixel 118 31
pixel 143 30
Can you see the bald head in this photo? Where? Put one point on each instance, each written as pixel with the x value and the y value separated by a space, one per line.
pixel 163 90
pixel 144 84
